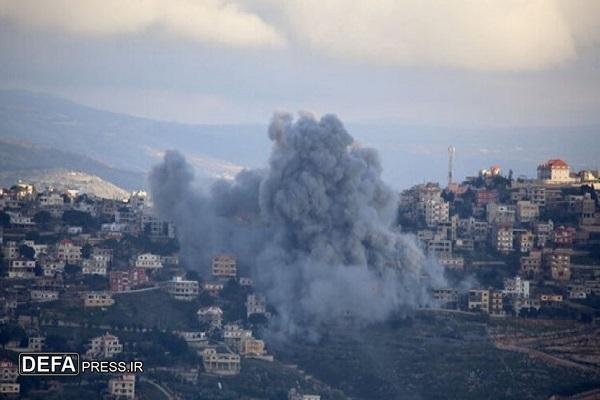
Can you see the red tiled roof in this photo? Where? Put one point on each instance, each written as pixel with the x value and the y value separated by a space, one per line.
pixel 557 163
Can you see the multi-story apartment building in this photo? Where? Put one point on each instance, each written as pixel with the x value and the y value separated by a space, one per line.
pixel 181 289
pixel 224 266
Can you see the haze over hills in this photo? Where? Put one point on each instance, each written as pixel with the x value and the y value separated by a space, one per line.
pixel 39 131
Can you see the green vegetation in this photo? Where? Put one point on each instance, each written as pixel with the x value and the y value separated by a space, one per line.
pixel 430 357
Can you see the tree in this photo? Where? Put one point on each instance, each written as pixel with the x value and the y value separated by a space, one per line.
pixel 27 252
pixel 86 250
pixel 79 218
pixel 42 217
pixel 72 269
pixel 4 219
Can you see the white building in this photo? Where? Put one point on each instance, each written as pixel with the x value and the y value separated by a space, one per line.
pixel 21 268
pixel 212 315
pixel 95 265
pixel 122 387
pixel 97 299
pixel 224 266
pixel 554 172
pixel 68 252
pixel 527 211
pixel 148 260
pixel 517 287
pixel 105 346
pixel 43 296
pixel 255 304
pixel 180 289
pixel 436 212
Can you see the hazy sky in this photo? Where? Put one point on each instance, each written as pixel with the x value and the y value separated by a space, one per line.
pixel 459 63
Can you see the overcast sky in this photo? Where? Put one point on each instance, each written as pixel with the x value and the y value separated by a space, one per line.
pixel 425 62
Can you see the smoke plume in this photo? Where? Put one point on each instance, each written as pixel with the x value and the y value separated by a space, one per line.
pixel 316 230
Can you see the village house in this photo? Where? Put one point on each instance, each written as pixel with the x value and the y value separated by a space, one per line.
pixel 220 363
pixel 436 212
pixel 517 287
pixel 126 280
pixel 233 336
pixel 554 172
pixel 52 267
pixel 212 288
pixel 446 297
pixel 531 265
pixel 479 300
pixel 95 265
pixel 224 266
pixel 527 211
pixel 255 304
pixel 502 238
pixel 97 299
pixel 212 315
pixel 502 214
pixel 251 347
pixel 181 289
pixel 524 240
pixel 43 296
pixel 149 261
pixel 559 263
pixel 68 252
pixel 21 268
pixel 194 339
pixel 10 250
pixel 105 346
pixel 122 387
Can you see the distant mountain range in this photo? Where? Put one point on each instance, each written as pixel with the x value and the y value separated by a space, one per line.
pixel 39 131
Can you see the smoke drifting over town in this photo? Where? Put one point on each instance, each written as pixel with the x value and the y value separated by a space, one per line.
pixel 316 230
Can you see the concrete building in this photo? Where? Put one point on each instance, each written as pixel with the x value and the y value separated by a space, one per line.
pixel 554 172
pixel 213 316
pixel 124 281
pixel 517 287
pixel 436 212
pixel 524 241
pixel 105 346
pixel 501 214
pixel 446 298
pixel 95 265
pixel 441 248
pixel 212 288
pixel 559 264
pixel 21 268
pixel 502 238
pixel 233 336
pixel 220 363
pixel 122 387
pixel 255 304
pixel 531 265
pixel 68 252
pixel 97 299
pixel 149 261
pixel 43 296
pixel 252 348
pixel 224 266
pixel 527 211
pixel 479 300
pixel 181 289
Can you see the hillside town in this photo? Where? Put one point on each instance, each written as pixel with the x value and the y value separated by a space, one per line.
pixel 533 245
pixel 103 277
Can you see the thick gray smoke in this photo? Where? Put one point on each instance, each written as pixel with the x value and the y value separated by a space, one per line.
pixel 315 230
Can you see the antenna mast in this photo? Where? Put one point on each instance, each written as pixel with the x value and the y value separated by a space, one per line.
pixel 451 151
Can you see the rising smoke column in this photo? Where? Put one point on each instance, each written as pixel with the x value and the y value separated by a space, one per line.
pixel 315 229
